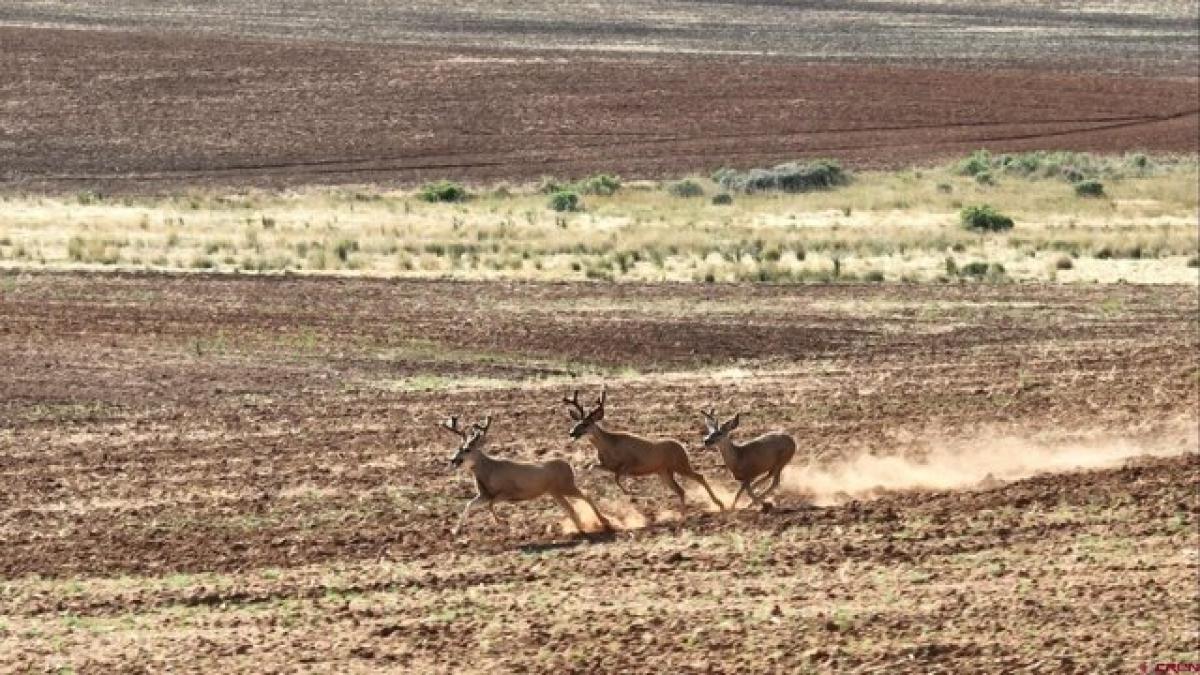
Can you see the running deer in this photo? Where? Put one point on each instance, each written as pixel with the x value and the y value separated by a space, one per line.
pixel 626 454
pixel 507 481
pixel 760 458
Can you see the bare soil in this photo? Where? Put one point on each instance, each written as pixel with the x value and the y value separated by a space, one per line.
pixel 242 473
pixel 161 111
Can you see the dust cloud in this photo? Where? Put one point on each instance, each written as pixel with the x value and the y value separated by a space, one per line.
pixel 958 465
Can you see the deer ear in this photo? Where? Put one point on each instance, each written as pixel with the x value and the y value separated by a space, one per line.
pixel 575 416
pixel 598 413
pixel 733 423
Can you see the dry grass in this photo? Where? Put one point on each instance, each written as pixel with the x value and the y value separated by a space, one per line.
pixel 884 226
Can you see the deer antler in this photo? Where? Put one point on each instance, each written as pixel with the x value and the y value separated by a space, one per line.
pixel 451 425
pixel 574 402
pixel 482 428
pixel 710 417
pixel 603 396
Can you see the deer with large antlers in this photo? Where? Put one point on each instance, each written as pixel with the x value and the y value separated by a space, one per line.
pixel 627 454
pixel 501 480
pixel 760 458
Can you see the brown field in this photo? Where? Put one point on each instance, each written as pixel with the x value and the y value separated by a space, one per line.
pixel 240 470
pixel 152 111
pixel 244 474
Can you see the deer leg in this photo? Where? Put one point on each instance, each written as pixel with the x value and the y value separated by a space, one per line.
pixel 696 476
pixel 668 479
pixel 775 477
pixel 737 496
pixel 566 505
pixel 463 518
pixel 599 516
pixel 617 478
pixel 762 480
pixel 750 491
pixel 492 508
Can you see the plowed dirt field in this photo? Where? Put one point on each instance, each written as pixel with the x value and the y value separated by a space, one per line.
pixel 245 474
pixel 152 111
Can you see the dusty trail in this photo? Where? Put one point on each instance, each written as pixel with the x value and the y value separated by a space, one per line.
pixel 980 463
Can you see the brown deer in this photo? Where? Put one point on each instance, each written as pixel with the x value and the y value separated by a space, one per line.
pixel 763 457
pixel 507 481
pixel 626 454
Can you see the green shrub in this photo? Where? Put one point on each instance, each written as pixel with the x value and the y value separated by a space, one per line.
pixel 873 276
pixel 76 248
pixel 548 185
pixel 951 267
pixel 793 177
pixel 565 201
pixel 722 199
pixel 1193 261
pixel 1072 175
pixel 601 184
pixel 978 162
pixel 1064 263
pixel 985 178
pixel 1072 167
pixel 443 191
pixel 1089 188
pixel 973 269
pixel 89 197
pixel 984 218
pixel 685 188
pixel 344 248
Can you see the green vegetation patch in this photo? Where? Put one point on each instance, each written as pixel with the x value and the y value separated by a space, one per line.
pixel 793 177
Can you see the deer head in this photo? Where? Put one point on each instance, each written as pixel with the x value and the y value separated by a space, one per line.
pixel 471 440
pixel 584 420
pixel 716 431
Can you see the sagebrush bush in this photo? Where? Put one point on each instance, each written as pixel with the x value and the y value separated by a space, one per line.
pixel 977 163
pixel 984 218
pixel 600 184
pixel 1089 188
pixel 1064 263
pixel 792 177
pixel 980 269
pixel 973 269
pixel 722 199
pixel 1072 167
pixel 344 247
pixel 685 188
pixel 565 201
pixel 443 191
pixel 548 185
